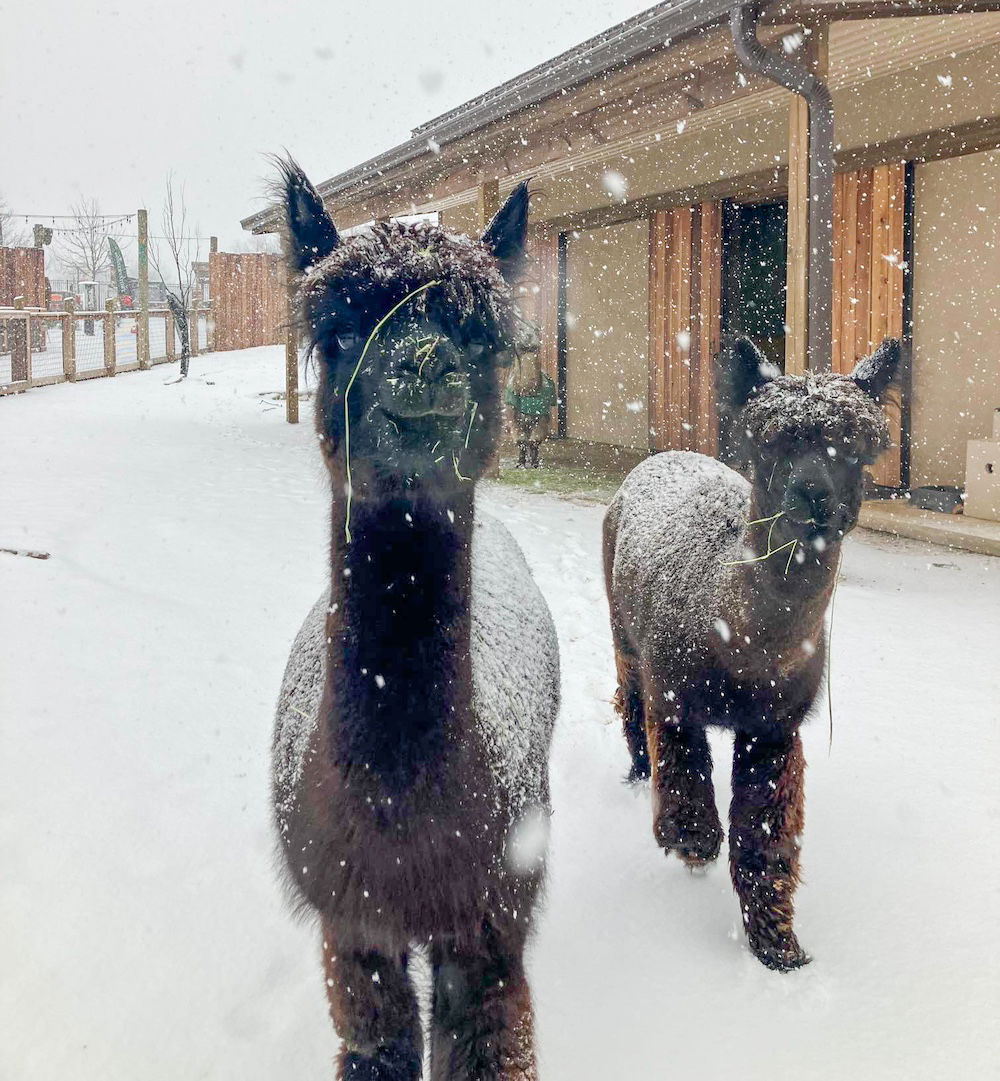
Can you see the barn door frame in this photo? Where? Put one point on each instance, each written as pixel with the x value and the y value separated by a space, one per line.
pixel 872 295
pixel 562 339
pixel 906 363
pixel 685 321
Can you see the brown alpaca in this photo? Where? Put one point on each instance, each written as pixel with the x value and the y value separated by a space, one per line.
pixel 411 745
pixel 718 590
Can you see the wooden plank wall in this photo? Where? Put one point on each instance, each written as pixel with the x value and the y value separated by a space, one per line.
pixel 22 274
pixel 248 299
pixel 685 268
pixel 868 281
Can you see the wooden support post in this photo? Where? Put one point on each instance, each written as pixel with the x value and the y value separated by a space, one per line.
pixel 69 340
pixel 142 319
pixel 487 204
pixel 291 353
pixel 169 336
pixel 797 295
pixel 110 354
pixel 193 328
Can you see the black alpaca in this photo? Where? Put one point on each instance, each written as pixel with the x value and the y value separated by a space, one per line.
pixel 411 747
pixel 718 590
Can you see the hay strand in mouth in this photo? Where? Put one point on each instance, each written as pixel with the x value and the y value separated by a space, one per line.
pixel 458 472
pixel 350 383
pixel 468 434
pixel 791 546
pixel 829 652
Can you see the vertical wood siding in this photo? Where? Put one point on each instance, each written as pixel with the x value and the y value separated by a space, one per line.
pixel 868 281
pixel 685 268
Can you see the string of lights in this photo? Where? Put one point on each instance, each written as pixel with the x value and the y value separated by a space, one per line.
pixel 70 217
pixel 108 221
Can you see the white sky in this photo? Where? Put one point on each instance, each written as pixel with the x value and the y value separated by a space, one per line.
pixel 104 99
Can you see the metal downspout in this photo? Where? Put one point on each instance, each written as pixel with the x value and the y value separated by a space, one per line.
pixel 780 69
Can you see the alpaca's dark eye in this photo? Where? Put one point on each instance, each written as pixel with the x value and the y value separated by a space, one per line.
pixel 347 339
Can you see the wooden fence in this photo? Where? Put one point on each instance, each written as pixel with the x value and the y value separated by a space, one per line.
pixel 22 274
pixel 39 347
pixel 249 299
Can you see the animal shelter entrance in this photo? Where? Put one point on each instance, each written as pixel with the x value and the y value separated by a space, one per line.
pixel 754 243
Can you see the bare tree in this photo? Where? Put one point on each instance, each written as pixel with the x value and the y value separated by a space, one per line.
pixel 257 242
pixel 181 254
pixel 11 234
pixel 84 246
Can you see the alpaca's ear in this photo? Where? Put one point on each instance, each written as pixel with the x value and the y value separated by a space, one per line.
pixel 874 374
pixel 506 233
pixel 311 232
pixel 744 369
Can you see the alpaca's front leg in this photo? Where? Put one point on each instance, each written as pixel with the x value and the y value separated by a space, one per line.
pixel 685 818
pixel 374 1012
pixel 481 1022
pixel 766 820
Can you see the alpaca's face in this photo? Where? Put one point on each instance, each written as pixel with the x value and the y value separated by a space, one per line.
pixel 817 491
pixel 810 438
pixel 423 406
pixel 409 325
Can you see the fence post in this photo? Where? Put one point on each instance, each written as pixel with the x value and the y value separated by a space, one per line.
pixel 69 340
pixel 291 353
pixel 168 335
pixel 20 346
pixel 142 324
pixel 193 328
pixel 110 358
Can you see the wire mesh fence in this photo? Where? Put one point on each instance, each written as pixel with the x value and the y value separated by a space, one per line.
pixel 158 333
pixel 39 347
pixel 89 342
pixel 31 347
pixel 206 330
pixel 46 347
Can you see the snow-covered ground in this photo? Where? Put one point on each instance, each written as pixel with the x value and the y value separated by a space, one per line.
pixel 142 933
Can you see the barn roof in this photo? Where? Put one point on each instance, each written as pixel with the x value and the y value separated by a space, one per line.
pixel 662 26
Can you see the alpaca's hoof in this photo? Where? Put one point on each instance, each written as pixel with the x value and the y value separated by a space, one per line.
pixel 695 843
pixel 785 955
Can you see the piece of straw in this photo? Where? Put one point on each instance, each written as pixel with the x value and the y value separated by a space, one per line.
pixel 792 544
pixel 829 651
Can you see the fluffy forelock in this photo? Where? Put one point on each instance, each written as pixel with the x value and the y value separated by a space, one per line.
pixel 820 408
pixel 374 269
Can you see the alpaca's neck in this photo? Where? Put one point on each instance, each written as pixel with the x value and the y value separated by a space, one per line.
pixel 779 603
pixel 399 672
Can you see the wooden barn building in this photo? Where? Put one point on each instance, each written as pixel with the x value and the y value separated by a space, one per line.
pixel 672 209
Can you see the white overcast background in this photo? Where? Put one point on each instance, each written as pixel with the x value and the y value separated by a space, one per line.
pixel 104 100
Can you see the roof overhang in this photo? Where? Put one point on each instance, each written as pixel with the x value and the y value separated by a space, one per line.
pixel 661 27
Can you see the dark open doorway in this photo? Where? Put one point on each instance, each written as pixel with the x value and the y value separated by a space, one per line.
pixel 754 242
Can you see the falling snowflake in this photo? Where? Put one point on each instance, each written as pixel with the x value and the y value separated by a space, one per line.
pixel 615 185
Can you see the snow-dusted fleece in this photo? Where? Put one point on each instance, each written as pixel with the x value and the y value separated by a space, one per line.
pixel 515 674
pixel 679 517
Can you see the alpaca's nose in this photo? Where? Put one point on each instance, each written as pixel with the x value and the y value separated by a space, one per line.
pixel 809 505
pixel 430 364
pixel 811 500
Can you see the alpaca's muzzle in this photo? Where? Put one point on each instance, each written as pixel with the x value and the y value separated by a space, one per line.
pixel 411 397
